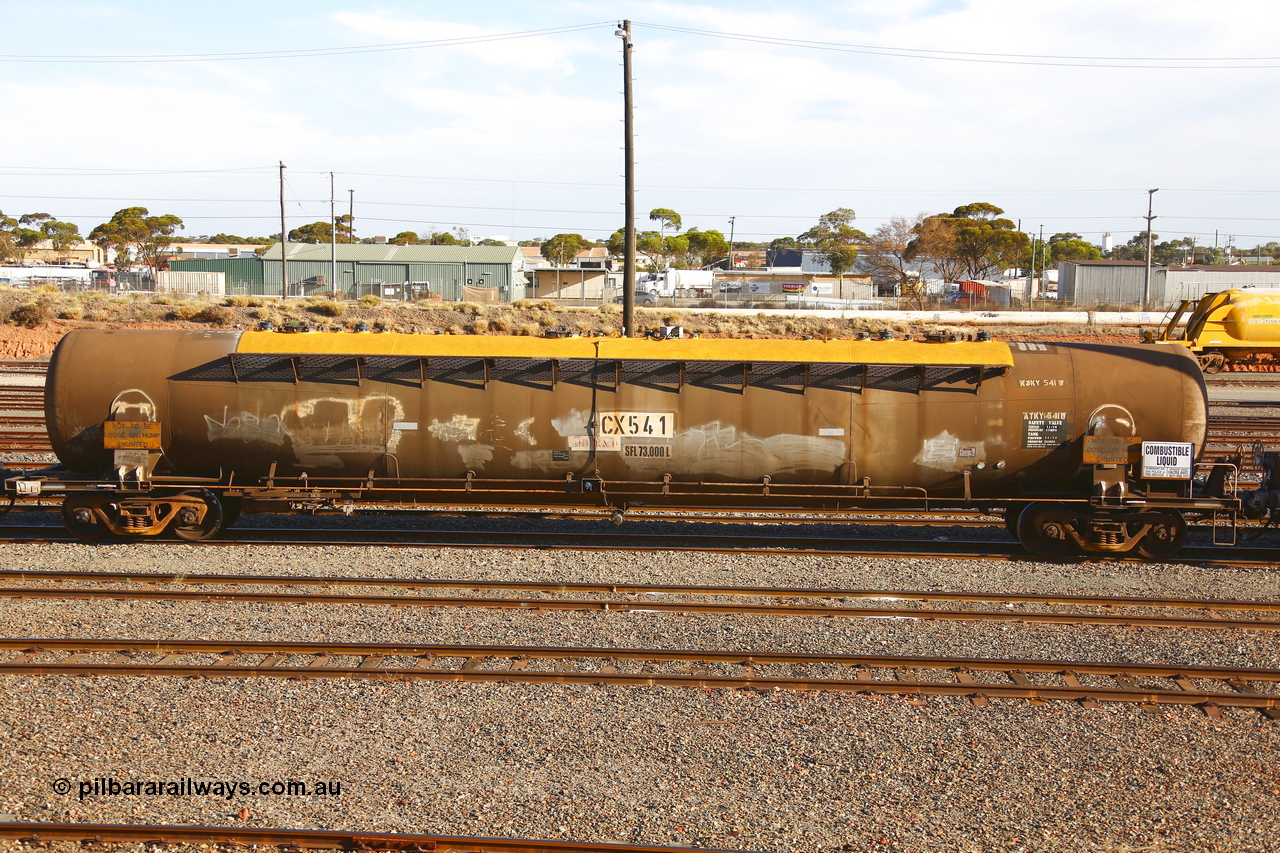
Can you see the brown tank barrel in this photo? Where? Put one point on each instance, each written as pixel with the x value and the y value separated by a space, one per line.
pixel 1010 417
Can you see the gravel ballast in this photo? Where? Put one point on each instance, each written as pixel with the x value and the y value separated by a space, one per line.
pixel 731 769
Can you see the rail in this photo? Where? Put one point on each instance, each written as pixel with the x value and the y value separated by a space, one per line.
pixel 978 679
pixel 96 835
pixel 647 604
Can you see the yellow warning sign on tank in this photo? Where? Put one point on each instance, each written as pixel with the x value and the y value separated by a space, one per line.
pixel 131 435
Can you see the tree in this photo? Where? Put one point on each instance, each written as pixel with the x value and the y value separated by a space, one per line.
pixel 7 246
pixel 1070 247
pixel 21 235
pixel 934 246
pixel 1162 254
pixel 133 232
pixel 316 232
pixel 984 242
pixel 666 218
pixel 489 241
pixel 887 255
pixel 563 247
pixel 705 247
pixel 244 241
pixel 836 239
pixel 676 246
pixel 405 238
pixel 444 238
pixel 616 245
pixel 652 245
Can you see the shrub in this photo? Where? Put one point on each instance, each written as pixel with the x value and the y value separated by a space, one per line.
pixel 241 300
pixel 500 324
pixel 71 312
pixel 478 326
pixel 31 314
pixel 370 300
pixel 528 329
pixel 218 315
pixel 328 308
pixel 546 321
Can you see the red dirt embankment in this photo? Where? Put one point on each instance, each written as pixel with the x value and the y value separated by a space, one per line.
pixel 22 342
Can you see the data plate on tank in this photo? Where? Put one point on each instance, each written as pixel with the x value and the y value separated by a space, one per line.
pixel 1045 430
pixel 1167 460
pixel 131 435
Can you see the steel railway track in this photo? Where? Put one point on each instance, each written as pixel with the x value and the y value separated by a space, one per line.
pixel 97 835
pixel 646 605
pixel 978 679
pixel 723 543
pixel 784 592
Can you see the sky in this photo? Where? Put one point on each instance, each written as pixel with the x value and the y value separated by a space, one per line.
pixel 505 118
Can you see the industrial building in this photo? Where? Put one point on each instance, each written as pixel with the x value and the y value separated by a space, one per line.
pixel 1088 284
pixel 450 273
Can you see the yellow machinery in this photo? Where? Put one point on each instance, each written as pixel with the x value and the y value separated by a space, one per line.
pixel 1231 325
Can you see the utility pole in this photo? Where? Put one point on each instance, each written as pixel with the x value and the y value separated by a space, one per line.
pixel 1042 259
pixel 1146 281
pixel 732 222
pixel 351 216
pixel 629 187
pixel 333 240
pixel 284 242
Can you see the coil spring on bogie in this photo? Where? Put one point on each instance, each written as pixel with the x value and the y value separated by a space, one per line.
pixel 1110 538
pixel 136 522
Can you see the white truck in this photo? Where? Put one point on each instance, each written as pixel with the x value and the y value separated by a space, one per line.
pixel 670 283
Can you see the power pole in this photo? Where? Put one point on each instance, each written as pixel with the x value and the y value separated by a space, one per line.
pixel 333 240
pixel 732 222
pixel 351 216
pixel 1146 281
pixel 1042 260
pixel 629 187
pixel 284 242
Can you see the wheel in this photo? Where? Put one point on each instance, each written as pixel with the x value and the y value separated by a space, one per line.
pixel 1044 529
pixel 1165 536
pixel 189 524
pixel 1212 362
pixel 79 518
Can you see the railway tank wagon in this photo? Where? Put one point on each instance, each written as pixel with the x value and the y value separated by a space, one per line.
pixel 179 430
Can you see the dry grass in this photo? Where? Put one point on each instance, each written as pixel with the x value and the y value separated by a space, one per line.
pixel 529 317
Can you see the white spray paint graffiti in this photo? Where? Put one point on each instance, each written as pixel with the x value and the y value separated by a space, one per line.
pixel 574 423
pixel 459 428
pixel 249 427
pixel 716 449
pixel 523 432
pixel 136 402
pixel 711 449
pixel 475 456
pixel 325 432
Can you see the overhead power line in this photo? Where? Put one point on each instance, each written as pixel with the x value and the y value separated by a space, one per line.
pixel 1134 62
pixel 305 52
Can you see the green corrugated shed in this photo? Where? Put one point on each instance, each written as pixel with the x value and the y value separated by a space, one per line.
pixel 243 275
pixel 389 271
